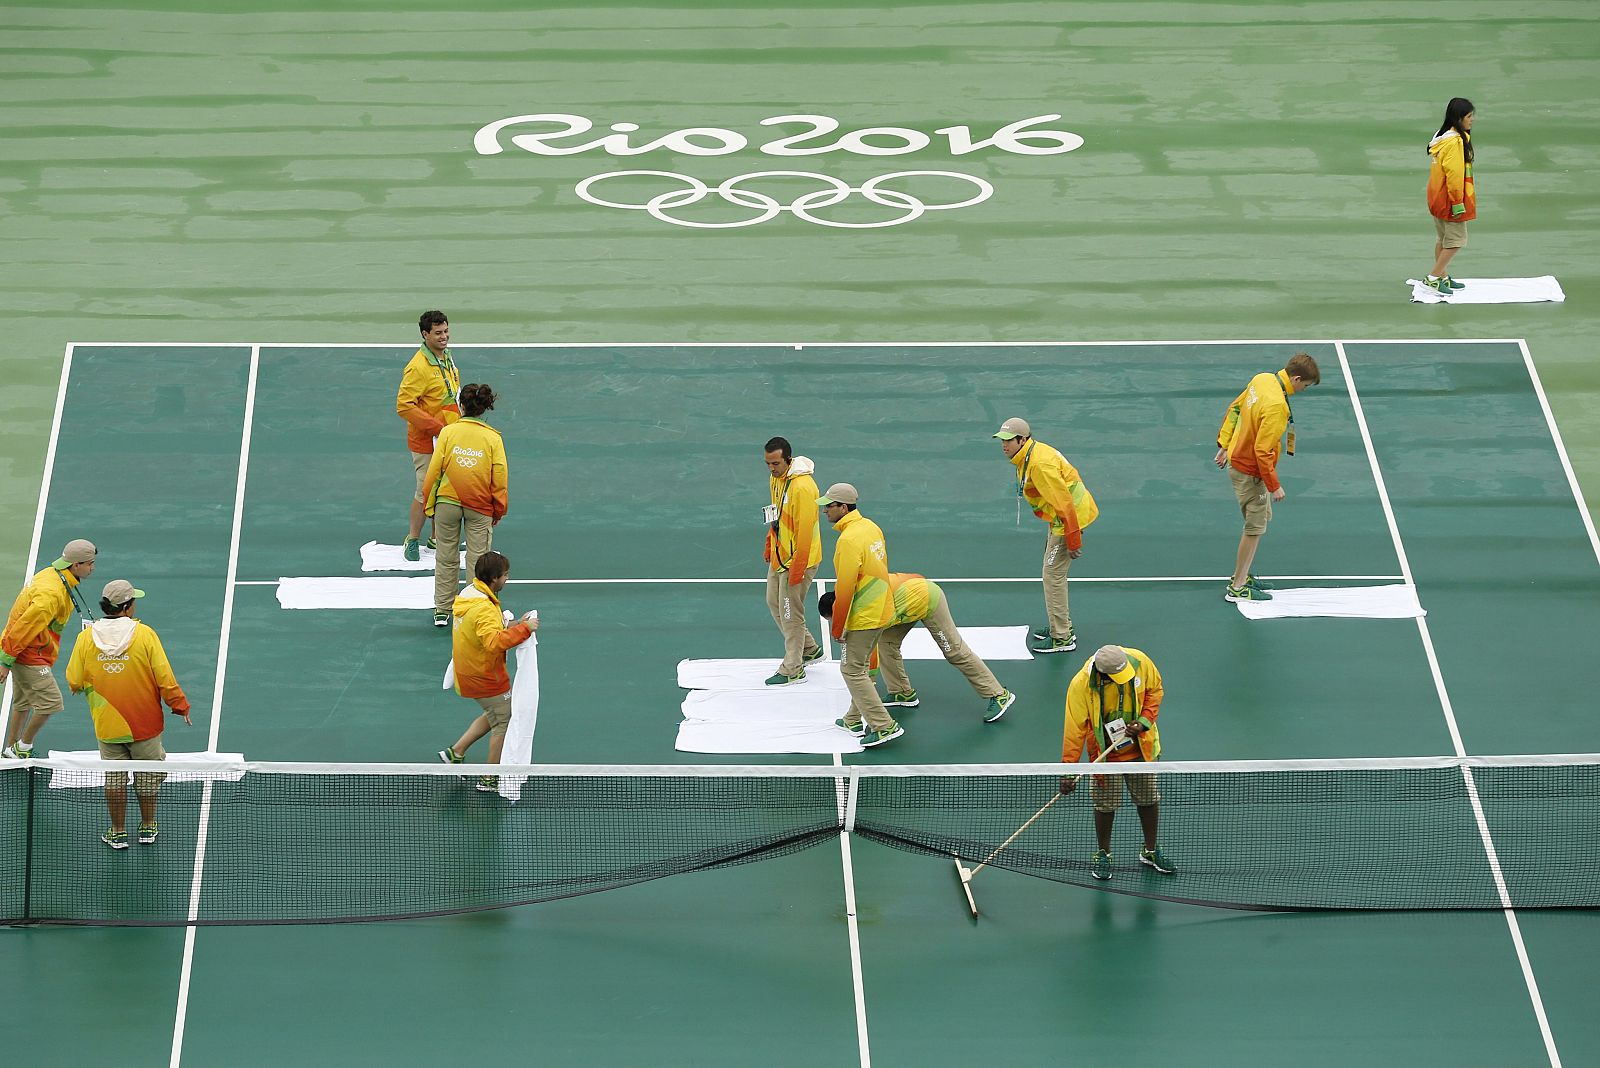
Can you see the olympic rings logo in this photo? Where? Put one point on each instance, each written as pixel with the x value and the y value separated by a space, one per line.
pixel 766 207
pixel 113 668
pixel 466 461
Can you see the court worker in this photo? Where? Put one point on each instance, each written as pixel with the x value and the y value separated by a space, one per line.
pixel 31 642
pixel 863 606
pixel 793 551
pixel 118 664
pixel 468 492
pixel 1057 495
pixel 917 600
pixel 427 401
pixel 1248 445
pixel 1112 705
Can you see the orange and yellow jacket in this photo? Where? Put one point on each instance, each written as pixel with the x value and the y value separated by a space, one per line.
pixel 469 468
pixel 1093 700
pixel 119 665
pixel 1254 424
pixel 914 597
pixel 39 615
pixel 862 600
pixel 427 397
pixel 480 642
pixel 796 544
pixel 1054 491
pixel 1450 192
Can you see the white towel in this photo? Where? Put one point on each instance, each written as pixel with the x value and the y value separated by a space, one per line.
pixel 780 719
pixel 990 643
pixel 230 769
pixel 1353 602
pixel 752 675
pixel 698 737
pixel 518 746
pixel 375 556
pixel 334 592
pixel 1491 291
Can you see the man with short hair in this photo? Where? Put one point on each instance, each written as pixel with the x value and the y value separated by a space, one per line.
pixel 427 402
pixel 1112 704
pixel 917 600
pixel 120 666
pixel 1247 447
pixel 1057 495
pixel 31 643
pixel 793 551
pixel 863 606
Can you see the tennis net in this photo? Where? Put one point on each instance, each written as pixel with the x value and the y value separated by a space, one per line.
pixel 249 842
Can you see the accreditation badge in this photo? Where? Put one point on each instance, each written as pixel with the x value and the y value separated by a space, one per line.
pixel 769 514
pixel 1289 442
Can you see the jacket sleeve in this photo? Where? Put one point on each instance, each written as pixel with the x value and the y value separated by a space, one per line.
pixel 1150 705
pixel 1050 482
pixel 77 673
pixel 1274 421
pixel 486 624
pixel 408 401
pixel 499 483
pixel 1230 421
pixel 161 667
pixel 431 479
pixel 1453 162
pixel 1075 731
pixel 844 588
pixel 26 628
pixel 804 505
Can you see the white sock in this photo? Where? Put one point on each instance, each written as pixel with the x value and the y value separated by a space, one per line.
pixel 1434 277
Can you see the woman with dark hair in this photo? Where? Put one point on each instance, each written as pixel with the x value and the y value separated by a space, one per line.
pixel 466 485
pixel 1451 199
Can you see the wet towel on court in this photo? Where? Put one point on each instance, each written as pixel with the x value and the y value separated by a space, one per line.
pixel 751 674
pixel 1355 602
pixel 375 556
pixel 780 719
pixel 230 768
pixel 989 643
pixel 1492 291
pixel 518 746
pixel 335 592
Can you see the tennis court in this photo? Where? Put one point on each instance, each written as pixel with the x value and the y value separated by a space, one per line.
pixel 635 476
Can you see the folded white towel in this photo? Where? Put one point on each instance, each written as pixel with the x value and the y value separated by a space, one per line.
pixel 1491 291
pixel 375 556
pixel 752 674
pixel 336 592
pixel 1353 602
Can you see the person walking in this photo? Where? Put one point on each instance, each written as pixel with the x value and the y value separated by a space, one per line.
pixel 1057 495
pixel 1452 201
pixel 1112 705
pixel 467 484
pixel 793 551
pixel 118 664
pixel 1248 445
pixel 427 401
pixel 31 642
pixel 863 606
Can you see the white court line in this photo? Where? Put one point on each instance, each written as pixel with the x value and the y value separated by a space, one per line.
pixel 1034 579
pixel 1150 343
pixel 852 926
pixel 216 711
pixel 1561 450
pixel 38 516
pixel 1450 721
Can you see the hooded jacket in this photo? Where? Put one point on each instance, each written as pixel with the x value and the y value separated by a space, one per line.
pixel 39 615
pixel 794 543
pixel 1450 193
pixel 480 642
pixel 120 666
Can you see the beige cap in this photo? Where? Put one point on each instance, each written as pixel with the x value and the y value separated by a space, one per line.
pixel 120 591
pixel 840 493
pixel 1112 661
pixel 1014 428
pixel 77 552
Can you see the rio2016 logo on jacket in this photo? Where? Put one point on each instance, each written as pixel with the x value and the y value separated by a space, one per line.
pixel 662 194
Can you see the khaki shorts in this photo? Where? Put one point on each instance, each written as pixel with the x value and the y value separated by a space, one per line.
pixel 35 690
pixel 1255 501
pixel 144 782
pixel 1452 234
pixel 421 460
pixel 497 710
pixel 1107 791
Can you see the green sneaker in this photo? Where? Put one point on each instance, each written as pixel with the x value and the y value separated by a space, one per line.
pixel 998 705
pixel 888 734
pixel 1154 859
pixel 1246 592
pixel 431 544
pixel 1453 284
pixel 815 654
pixel 1100 866
pixel 441 619
pixel 1256 584
pixel 909 699
pixel 413 549
pixel 1041 632
pixel 147 833
pixel 858 728
pixel 488 784
pixel 450 756
pixel 1057 645
pixel 115 839
pixel 1441 284
pixel 780 679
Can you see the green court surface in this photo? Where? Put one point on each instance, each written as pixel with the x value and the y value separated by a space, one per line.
pixel 702 968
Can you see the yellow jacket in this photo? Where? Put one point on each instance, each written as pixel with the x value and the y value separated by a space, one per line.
pixel 480 641
pixel 1092 700
pixel 862 600
pixel 120 666
pixel 469 468
pixel 796 544
pixel 915 597
pixel 427 397
pixel 1253 425
pixel 1054 491
pixel 38 616
pixel 1450 192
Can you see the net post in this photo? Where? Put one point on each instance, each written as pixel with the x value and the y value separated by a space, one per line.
pixel 852 791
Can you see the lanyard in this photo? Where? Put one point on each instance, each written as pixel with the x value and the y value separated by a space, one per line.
pixel 777 537
pixel 440 364
pixel 1022 478
pixel 77 601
